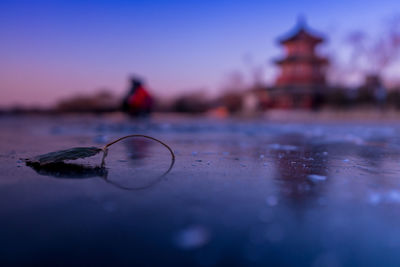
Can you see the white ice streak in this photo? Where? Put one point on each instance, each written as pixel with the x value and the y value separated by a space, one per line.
pixel 316 178
pixel 283 147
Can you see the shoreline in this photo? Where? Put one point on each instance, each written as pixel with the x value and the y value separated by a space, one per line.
pixel 275 115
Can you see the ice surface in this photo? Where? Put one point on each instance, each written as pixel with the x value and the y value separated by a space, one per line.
pixel 241 193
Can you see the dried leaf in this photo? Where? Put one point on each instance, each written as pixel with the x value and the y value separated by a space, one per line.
pixel 68 154
pixel 52 163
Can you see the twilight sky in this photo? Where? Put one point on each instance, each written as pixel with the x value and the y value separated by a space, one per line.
pixel 53 49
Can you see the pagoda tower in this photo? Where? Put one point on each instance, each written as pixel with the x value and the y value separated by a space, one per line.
pixel 301 65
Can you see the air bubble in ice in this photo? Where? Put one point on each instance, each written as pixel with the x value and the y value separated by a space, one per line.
pixel 192 237
pixel 271 201
pixel 374 198
pixel 394 196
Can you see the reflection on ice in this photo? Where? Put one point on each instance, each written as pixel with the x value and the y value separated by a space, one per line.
pixel 69 170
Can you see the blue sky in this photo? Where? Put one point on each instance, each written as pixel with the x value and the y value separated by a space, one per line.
pixel 53 49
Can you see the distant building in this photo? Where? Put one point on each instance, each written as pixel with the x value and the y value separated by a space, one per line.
pixel 302 70
pixel 301 65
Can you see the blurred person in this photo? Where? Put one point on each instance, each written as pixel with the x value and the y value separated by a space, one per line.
pixel 138 101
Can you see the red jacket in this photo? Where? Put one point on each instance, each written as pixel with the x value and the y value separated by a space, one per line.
pixel 141 99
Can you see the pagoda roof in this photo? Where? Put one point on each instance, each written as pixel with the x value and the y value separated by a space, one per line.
pixel 301 32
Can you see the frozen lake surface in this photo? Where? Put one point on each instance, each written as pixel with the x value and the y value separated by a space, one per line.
pixel 241 193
